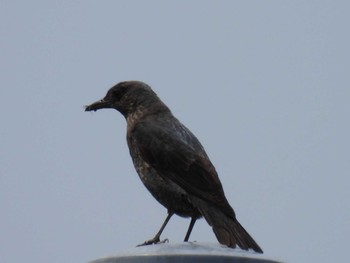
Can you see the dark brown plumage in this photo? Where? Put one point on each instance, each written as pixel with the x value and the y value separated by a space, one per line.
pixel 173 165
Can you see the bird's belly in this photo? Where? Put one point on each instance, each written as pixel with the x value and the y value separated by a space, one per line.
pixel 170 195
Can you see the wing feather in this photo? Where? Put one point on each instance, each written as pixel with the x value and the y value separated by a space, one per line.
pixel 175 159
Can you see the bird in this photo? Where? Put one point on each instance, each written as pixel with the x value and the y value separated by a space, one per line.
pixel 173 165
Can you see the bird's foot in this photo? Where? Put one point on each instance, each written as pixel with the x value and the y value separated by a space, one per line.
pixel 152 241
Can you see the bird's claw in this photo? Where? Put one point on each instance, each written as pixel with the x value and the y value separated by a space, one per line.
pixel 164 241
pixel 154 241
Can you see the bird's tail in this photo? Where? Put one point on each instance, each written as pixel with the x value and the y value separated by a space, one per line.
pixel 228 230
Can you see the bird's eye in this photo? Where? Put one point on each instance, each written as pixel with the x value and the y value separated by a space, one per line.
pixel 117 94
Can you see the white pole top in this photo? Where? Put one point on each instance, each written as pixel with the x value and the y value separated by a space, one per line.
pixel 185 253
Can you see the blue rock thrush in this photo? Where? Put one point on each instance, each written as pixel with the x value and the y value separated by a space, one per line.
pixel 173 164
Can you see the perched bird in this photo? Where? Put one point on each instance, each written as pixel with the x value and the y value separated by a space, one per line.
pixel 173 164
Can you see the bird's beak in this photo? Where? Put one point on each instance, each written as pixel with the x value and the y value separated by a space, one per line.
pixel 101 104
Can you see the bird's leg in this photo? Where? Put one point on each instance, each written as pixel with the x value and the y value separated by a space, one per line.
pixel 193 220
pixel 156 238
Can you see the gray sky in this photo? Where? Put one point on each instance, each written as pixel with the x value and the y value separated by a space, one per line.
pixel 263 84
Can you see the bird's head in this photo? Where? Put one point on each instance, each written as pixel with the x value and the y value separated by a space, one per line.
pixel 126 97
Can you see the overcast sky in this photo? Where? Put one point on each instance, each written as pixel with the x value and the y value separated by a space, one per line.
pixel 264 85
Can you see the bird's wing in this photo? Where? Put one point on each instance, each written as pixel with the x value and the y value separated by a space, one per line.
pixel 176 160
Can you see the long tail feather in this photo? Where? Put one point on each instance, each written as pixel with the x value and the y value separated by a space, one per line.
pixel 227 229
